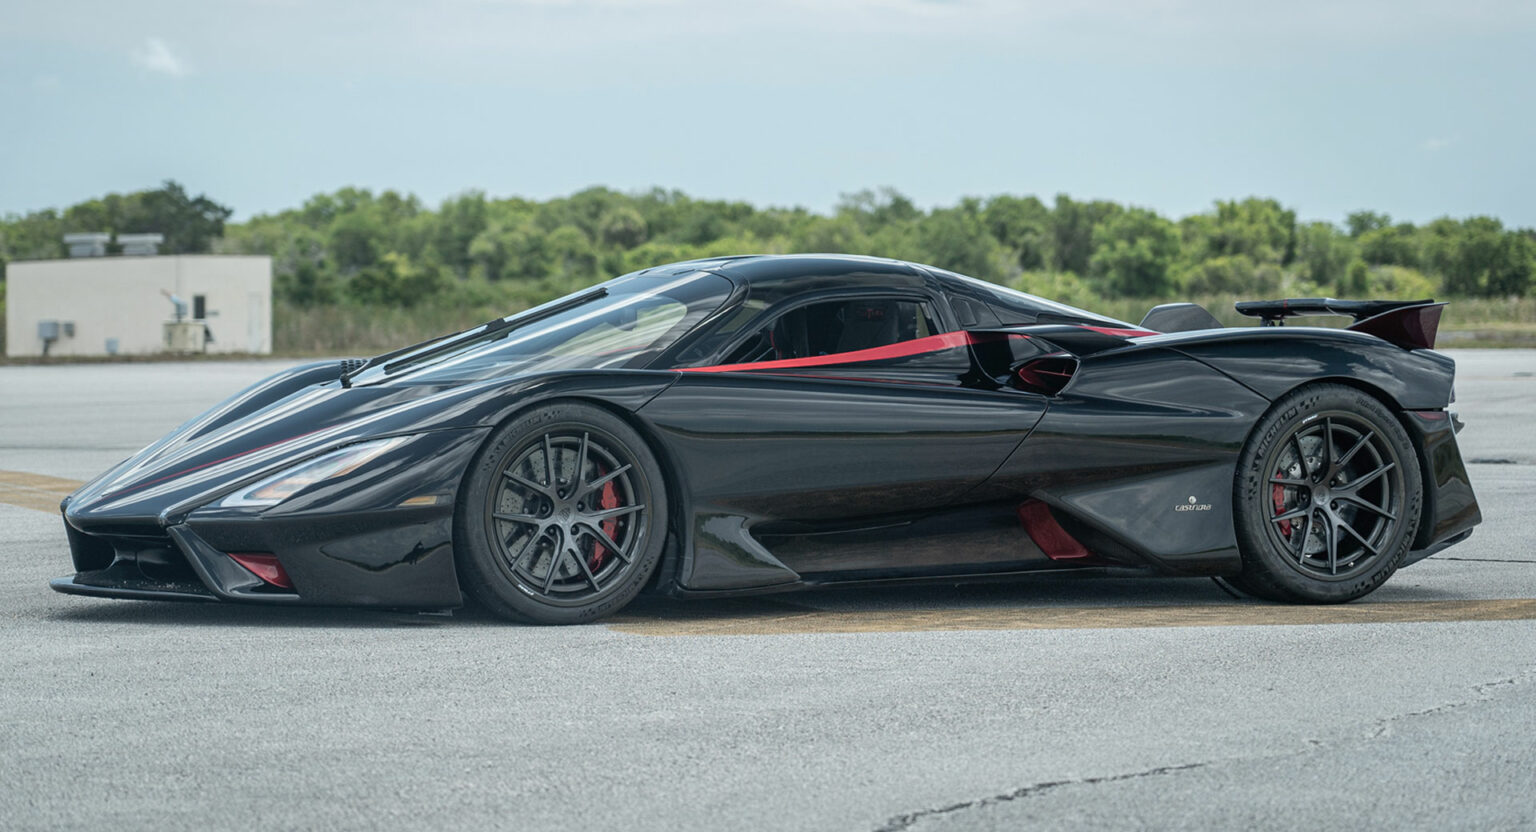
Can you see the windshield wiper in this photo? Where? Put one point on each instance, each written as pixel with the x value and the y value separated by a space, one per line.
pixel 437 346
pixel 346 377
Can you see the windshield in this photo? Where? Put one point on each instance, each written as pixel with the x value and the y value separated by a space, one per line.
pixel 621 324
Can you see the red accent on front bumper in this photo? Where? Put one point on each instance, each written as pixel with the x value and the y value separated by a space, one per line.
pixel 265 567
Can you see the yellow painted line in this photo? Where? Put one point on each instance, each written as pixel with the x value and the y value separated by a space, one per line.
pixel 34 491
pixel 781 622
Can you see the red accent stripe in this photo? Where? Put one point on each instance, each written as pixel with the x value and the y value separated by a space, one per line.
pixel 1052 539
pixel 1121 333
pixel 920 346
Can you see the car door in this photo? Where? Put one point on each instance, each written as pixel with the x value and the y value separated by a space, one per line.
pixel 874 430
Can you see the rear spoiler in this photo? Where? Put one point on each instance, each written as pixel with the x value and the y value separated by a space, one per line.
pixel 1411 324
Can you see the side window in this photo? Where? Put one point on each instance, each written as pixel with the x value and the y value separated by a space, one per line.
pixel 837 326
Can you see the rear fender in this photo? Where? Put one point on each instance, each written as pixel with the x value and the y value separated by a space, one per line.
pixel 1273 361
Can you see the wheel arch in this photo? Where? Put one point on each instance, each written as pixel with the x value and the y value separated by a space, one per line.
pixel 1426 524
pixel 677 528
pixel 1261 576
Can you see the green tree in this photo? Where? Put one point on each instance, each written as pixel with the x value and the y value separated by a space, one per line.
pixel 876 209
pixel 1022 224
pixel 1234 274
pixel 1072 225
pixel 36 236
pixel 1323 254
pixel 621 226
pixel 1357 280
pixel 353 245
pixel 1133 252
pixel 190 224
pixel 307 285
pixel 354 241
pixel 1259 229
pixel 1392 245
pixel 572 255
pixel 1478 257
pixel 528 255
pixel 1361 222
pixel 957 239
pixel 1514 266
pixel 459 220
pixel 396 281
pixel 838 234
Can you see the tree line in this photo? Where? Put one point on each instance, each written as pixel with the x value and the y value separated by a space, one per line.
pixel 359 247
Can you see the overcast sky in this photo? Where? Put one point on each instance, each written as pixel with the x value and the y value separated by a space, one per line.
pixel 1412 107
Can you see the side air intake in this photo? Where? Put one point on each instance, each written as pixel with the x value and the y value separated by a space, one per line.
pixel 1048 375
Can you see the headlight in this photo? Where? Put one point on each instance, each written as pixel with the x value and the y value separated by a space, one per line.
pixel 279 487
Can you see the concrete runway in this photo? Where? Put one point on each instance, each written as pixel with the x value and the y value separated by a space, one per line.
pixel 1053 703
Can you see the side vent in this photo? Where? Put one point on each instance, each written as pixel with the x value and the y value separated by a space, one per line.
pixel 1048 375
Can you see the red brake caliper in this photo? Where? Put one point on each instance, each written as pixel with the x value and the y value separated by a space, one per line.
pixel 608 499
pixel 1279 497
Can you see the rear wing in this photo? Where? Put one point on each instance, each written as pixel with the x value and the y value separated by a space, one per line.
pixel 1411 324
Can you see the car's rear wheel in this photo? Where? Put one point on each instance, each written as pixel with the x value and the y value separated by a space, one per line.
pixel 562 518
pixel 1327 497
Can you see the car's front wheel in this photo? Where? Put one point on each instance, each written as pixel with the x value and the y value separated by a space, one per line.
pixel 1327 497
pixel 562 517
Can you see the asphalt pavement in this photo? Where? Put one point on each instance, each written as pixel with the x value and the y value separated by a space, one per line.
pixel 1053 703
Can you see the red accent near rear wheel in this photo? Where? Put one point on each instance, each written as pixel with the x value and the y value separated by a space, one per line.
pixel 1048 534
pixel 1278 495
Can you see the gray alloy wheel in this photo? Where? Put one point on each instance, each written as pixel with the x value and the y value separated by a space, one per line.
pixel 1327 497
pixel 562 518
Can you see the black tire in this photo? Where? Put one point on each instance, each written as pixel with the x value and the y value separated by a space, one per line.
pixel 562 517
pixel 1325 522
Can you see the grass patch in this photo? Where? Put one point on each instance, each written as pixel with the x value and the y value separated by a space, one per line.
pixel 347 329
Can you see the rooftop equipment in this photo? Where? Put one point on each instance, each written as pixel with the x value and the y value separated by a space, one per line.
pixel 142 245
pixel 87 244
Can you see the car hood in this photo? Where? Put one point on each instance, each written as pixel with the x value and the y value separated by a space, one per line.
pixel 306 411
pixel 246 437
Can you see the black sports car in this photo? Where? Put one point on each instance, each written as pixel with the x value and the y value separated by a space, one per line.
pixel 765 423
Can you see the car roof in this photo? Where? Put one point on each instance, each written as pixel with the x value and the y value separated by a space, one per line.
pixel 768 268
pixel 775 277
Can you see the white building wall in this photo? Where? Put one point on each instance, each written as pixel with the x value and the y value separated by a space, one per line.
pixel 119 297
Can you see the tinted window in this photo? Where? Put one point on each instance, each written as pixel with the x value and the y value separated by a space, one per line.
pixel 837 326
pixel 1013 307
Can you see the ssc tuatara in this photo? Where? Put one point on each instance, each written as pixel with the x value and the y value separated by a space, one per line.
pixel 766 423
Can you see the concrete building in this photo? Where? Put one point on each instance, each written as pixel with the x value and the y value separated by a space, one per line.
pixel 104 305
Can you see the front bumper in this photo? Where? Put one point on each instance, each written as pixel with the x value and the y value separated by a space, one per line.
pixel 329 564
pixel 374 540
